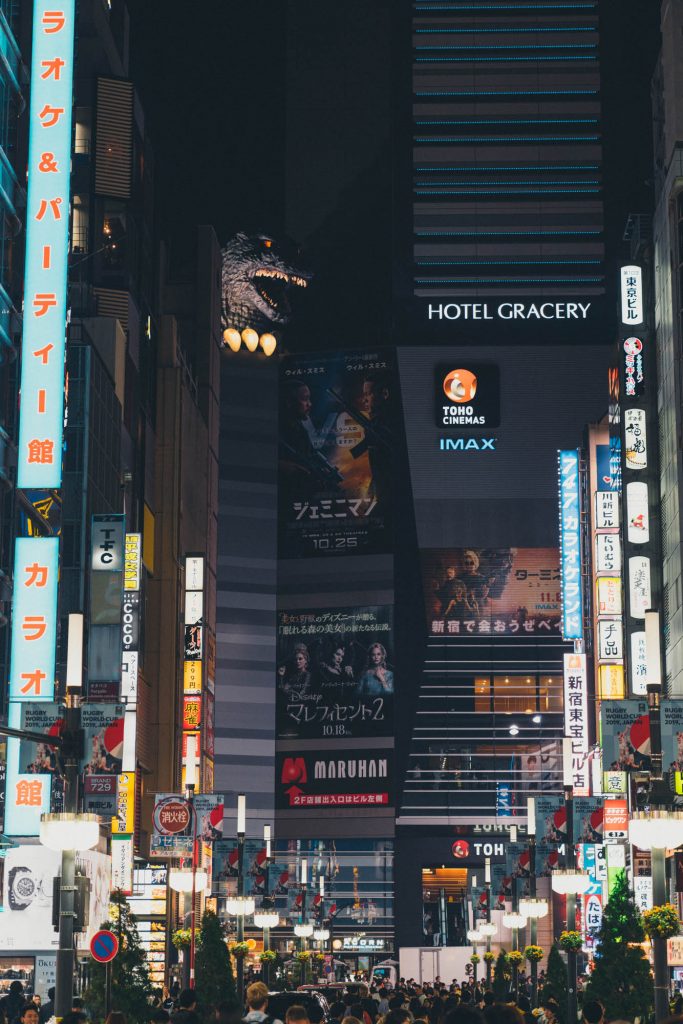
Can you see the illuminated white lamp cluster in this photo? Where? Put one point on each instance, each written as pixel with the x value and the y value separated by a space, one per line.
pixel 233 339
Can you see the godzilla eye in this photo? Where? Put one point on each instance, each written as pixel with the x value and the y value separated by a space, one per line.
pixel 267 243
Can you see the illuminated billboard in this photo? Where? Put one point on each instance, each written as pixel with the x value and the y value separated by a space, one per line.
pixel 335 674
pixel 39 460
pixel 337 442
pixel 492 591
pixel 570 545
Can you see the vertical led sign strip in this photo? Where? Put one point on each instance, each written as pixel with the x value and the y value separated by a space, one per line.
pixel 47 243
pixel 570 545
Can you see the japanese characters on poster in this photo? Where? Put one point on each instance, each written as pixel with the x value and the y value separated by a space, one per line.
pixel 551 819
pixel 103 727
pixel 335 674
pixel 338 428
pixel 333 778
pixel 492 591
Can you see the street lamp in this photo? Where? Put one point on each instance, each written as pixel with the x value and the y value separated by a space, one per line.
pixel 69 831
pixel 303 930
pixel 658 830
pixel 266 919
pixel 184 879
pixel 241 906
pixel 570 882
pixel 534 909
pixel 487 929
pixel 475 936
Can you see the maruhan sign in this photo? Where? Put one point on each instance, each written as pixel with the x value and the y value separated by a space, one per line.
pixel 508 311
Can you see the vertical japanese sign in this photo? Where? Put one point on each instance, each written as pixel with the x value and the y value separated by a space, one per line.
pixel 193 657
pixel 570 550
pixel 106 599
pixel 607 570
pixel 32 672
pixel 47 231
pixel 640 472
pixel 576 719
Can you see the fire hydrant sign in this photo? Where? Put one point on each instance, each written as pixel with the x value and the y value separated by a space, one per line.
pixel 104 946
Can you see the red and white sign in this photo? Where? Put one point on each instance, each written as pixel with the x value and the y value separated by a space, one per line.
pixel 615 821
pixel 172 816
pixel 104 946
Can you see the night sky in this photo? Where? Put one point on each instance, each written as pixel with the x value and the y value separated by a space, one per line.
pixel 214 83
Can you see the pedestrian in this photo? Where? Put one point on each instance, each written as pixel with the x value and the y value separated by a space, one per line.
pixel 116 1017
pixel 298 1015
pixel 257 1005
pixel 593 1012
pixel 11 1004
pixel 524 1004
pixel 75 1017
pixel 187 1008
pixel 47 1010
pixel 28 1014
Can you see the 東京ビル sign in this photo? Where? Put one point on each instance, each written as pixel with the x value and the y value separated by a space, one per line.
pixel 39 458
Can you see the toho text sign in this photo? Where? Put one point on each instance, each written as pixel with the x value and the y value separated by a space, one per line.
pixel 570 536
pixel 47 239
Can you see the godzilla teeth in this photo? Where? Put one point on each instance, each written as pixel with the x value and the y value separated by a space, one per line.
pixel 279 275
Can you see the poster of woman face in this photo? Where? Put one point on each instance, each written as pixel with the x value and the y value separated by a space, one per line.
pixel 335 673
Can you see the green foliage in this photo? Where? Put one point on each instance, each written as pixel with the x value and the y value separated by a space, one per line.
pixel 621 978
pixel 501 978
pixel 130 984
pixel 555 986
pixel 213 969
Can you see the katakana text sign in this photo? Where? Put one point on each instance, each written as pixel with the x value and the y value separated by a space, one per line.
pixel 47 243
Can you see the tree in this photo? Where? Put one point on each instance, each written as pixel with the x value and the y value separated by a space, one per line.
pixel 555 985
pixel 213 969
pixel 621 979
pixel 501 978
pixel 130 984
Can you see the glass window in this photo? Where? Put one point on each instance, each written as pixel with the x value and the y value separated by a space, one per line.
pixel 514 694
pixel 482 694
pixel 551 694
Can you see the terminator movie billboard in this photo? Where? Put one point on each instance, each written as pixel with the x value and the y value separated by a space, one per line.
pixel 335 673
pixel 492 591
pixel 336 452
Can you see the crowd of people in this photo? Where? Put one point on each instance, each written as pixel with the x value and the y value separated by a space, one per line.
pixel 465 1002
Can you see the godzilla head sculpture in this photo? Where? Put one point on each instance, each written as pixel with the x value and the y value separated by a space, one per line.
pixel 259 275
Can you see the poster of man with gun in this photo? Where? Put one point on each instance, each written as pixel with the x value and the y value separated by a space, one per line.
pixel 336 451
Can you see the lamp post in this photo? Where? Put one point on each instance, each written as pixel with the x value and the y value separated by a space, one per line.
pixel 241 831
pixel 569 882
pixel 69 832
pixel 657 830
pixel 488 929
pixel 533 908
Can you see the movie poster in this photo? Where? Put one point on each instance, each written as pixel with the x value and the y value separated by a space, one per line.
pixel 40 758
pixel 492 591
pixel 337 437
pixel 335 673
pixel 625 727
